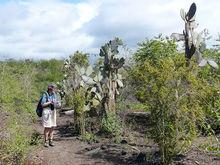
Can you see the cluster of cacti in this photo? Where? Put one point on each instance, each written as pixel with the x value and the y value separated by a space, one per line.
pixel 193 41
pixel 101 87
pixel 76 85
pixel 77 77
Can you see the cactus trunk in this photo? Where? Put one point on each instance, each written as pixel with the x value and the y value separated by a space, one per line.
pixel 79 124
pixel 111 96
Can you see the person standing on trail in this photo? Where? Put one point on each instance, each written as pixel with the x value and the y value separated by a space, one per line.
pixel 49 103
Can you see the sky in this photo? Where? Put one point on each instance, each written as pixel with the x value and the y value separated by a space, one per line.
pixel 45 29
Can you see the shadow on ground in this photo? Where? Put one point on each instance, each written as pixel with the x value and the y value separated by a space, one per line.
pixel 111 154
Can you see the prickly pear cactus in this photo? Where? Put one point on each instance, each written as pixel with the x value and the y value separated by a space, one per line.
pixel 193 41
pixel 101 88
pixel 111 79
pixel 76 85
pixel 89 90
pixel 76 77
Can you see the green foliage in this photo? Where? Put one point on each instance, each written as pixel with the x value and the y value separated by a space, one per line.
pixel 80 58
pixel 89 137
pixel 74 86
pixel 111 125
pixel 73 76
pixel 134 106
pixel 14 144
pixel 79 113
pixel 209 144
pixel 47 72
pixel 176 96
pixel 21 83
pixel 123 103
pixel 79 101
pixel 35 138
pixel 155 49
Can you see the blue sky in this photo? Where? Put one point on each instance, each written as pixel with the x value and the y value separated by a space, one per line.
pixel 44 29
pixel 73 1
pixel 69 1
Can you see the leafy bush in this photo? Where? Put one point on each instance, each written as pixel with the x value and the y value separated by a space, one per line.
pixel 14 144
pixel 21 83
pixel 175 95
pixel 89 137
pixel 111 125
pixel 79 115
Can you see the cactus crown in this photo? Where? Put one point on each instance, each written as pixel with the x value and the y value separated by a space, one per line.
pixel 194 42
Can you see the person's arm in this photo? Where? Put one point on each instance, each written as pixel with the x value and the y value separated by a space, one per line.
pixel 44 101
pixel 46 104
pixel 57 103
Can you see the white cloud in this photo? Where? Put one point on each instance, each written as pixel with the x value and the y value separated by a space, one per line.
pixel 44 29
pixel 136 20
pixel 56 28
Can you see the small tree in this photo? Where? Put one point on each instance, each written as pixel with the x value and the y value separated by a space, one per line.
pixel 161 82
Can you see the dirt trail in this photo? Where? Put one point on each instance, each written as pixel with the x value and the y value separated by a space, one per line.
pixel 68 150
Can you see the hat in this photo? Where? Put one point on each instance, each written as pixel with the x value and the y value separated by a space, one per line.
pixel 51 86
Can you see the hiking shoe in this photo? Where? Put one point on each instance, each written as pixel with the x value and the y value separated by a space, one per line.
pixel 51 143
pixel 46 144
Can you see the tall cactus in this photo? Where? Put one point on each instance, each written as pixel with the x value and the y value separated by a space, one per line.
pixel 111 79
pixel 193 41
pixel 75 85
pixel 92 90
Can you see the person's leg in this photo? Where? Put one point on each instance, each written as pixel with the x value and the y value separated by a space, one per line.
pixel 53 124
pixel 46 136
pixel 51 131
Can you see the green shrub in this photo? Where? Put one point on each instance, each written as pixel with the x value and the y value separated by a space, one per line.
pixel 111 124
pixel 21 83
pixel 15 146
pixel 177 96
